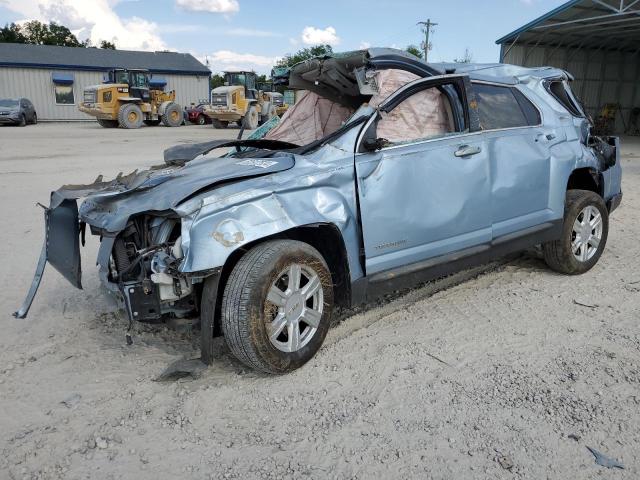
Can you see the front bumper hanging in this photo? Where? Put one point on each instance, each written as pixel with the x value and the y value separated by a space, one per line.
pixel 61 247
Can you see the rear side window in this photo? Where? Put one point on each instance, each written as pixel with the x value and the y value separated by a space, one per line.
pixel 504 107
pixel 560 92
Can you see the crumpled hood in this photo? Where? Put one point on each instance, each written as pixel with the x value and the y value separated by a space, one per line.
pixel 108 205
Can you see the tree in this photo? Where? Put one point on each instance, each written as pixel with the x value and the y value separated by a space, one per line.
pixel 291 59
pixel 467 58
pixel 11 34
pixel 414 50
pixel 38 33
pixel 107 45
pixel 216 80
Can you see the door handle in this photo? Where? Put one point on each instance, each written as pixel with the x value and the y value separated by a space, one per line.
pixel 467 151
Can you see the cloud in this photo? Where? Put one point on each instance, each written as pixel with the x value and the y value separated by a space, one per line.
pixel 317 36
pixel 227 60
pixel 95 20
pixel 364 45
pixel 211 6
pixel 250 32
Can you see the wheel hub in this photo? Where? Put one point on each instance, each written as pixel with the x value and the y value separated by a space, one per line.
pixel 298 297
pixel 586 233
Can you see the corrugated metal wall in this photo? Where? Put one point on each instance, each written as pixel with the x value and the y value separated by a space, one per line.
pixel 600 77
pixel 36 85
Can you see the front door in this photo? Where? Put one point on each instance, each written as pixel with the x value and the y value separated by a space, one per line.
pixel 423 176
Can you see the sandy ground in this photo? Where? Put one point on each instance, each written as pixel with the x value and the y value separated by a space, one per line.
pixel 509 374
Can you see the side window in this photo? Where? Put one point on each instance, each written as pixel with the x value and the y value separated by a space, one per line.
pixel 425 115
pixel 504 107
pixel 560 92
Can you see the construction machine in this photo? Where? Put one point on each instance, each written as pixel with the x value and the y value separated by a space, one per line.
pixel 240 101
pixel 127 100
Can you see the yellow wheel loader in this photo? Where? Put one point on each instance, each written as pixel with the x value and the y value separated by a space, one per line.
pixel 126 100
pixel 239 101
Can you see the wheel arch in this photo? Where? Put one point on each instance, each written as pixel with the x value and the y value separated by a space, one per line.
pixel 323 236
pixel 586 178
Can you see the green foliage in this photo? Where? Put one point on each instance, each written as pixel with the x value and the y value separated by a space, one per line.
pixel 291 59
pixel 11 33
pixel 107 45
pixel 38 33
pixel 414 50
pixel 216 80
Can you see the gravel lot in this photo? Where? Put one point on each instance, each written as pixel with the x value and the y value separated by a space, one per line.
pixel 510 374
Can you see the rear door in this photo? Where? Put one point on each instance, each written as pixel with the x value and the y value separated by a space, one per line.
pixel 424 190
pixel 518 146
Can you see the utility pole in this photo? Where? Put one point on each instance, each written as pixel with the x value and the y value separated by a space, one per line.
pixel 426 28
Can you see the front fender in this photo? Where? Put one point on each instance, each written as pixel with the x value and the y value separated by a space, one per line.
pixel 210 237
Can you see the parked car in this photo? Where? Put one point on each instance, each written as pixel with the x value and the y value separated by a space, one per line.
pixel 18 111
pixel 387 173
pixel 196 114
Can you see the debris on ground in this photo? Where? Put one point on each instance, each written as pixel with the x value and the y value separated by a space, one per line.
pixel 604 461
pixel 182 368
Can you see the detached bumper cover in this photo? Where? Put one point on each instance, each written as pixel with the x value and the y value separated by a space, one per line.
pixel 61 247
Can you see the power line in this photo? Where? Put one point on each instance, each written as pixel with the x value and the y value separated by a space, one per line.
pixel 427 29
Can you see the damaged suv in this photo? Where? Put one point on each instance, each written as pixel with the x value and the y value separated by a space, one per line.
pixel 388 172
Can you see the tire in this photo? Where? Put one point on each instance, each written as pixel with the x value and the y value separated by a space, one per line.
pixel 201 120
pixel 130 116
pixel 172 116
pixel 569 255
pixel 152 123
pixel 35 118
pixel 107 123
pixel 251 118
pixel 219 123
pixel 23 120
pixel 247 310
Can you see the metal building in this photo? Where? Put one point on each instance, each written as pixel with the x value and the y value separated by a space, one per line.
pixel 598 42
pixel 53 78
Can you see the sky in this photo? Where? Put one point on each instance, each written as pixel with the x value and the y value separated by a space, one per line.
pixel 252 34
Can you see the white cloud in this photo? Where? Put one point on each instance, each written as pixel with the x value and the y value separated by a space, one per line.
pixel 318 36
pixel 227 60
pixel 95 20
pixel 364 45
pixel 250 32
pixel 212 6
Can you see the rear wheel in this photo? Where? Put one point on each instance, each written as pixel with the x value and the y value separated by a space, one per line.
pixel 35 118
pixel 584 234
pixel 130 116
pixel 276 306
pixel 250 120
pixel 107 123
pixel 172 116
pixel 219 123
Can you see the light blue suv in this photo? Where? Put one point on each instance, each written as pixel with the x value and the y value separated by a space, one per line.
pixel 387 173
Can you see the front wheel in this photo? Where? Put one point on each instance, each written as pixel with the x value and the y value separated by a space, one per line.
pixel 23 121
pixel 201 120
pixel 172 116
pixel 276 306
pixel 251 118
pixel 584 234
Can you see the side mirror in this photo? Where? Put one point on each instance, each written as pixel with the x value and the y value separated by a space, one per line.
pixel 374 144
